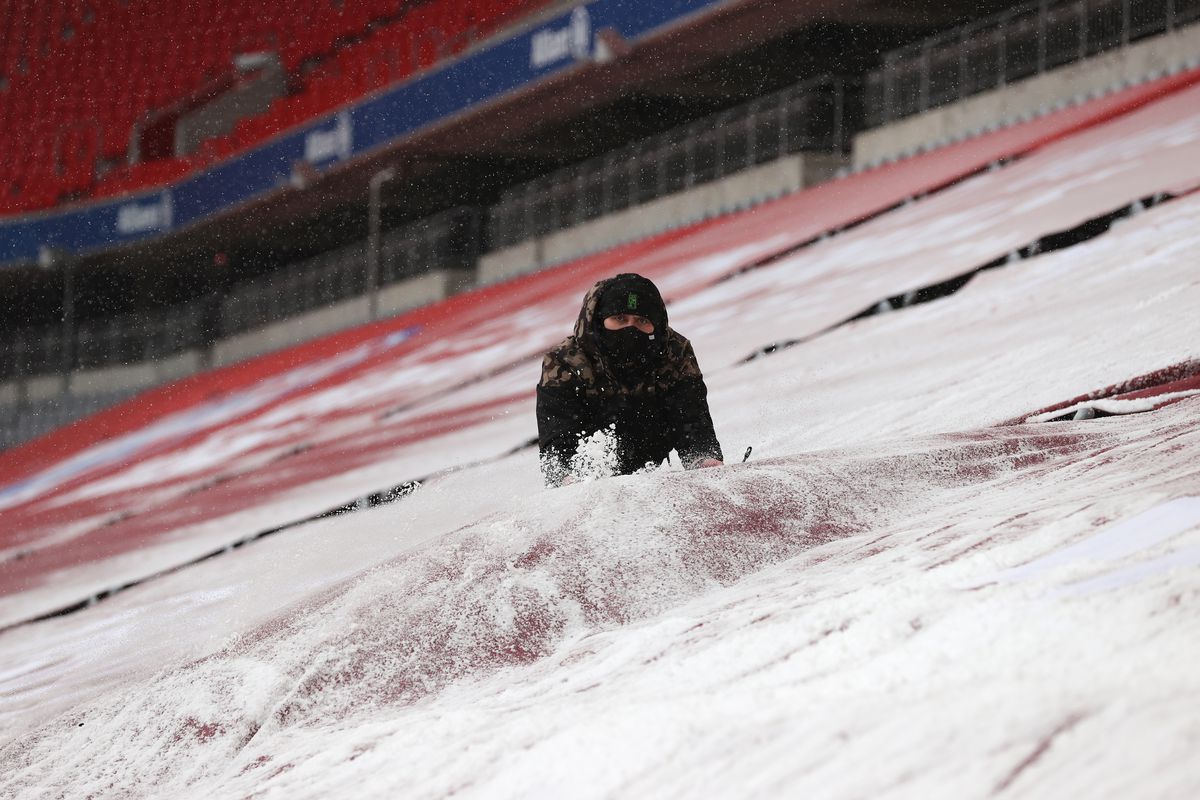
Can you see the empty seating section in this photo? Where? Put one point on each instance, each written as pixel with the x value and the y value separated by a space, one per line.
pixel 1004 48
pixel 77 76
pixel 420 35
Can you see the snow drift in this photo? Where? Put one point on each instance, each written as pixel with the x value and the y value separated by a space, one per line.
pixel 751 596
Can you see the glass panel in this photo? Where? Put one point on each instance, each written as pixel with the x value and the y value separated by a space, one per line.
pixel 704 158
pixel 907 78
pixel 339 284
pixel 497 217
pixel 300 292
pixel 616 180
pixel 647 175
pixel 390 265
pixel 86 346
pixel 1064 27
pixel 1147 17
pixel 676 167
pixel 767 139
pixel 943 76
pixel 568 201
pixel 736 147
pixel 540 210
pixel 1020 48
pixel 592 198
pixel 9 357
pixel 822 120
pixel 1105 21
pixel 876 113
pixel 51 352
pixel 981 62
pixel 796 120
pixel 513 222
pixel 402 259
pixel 1186 11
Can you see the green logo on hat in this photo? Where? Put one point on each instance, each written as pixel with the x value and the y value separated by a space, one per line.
pixel 632 301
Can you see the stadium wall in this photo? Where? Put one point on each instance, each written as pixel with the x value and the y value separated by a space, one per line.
pixel 741 190
pixel 392 300
pixel 119 381
pixel 1099 74
pixel 133 377
pixel 502 69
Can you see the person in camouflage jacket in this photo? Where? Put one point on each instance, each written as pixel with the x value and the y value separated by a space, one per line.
pixel 624 371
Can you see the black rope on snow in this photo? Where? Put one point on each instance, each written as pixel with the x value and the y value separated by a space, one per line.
pixel 1059 240
pixel 366 501
pixel 361 503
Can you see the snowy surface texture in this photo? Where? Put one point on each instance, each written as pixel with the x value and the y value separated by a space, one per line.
pixel 897 596
pixel 406 406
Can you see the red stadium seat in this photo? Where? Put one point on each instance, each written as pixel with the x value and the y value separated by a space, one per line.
pixel 81 75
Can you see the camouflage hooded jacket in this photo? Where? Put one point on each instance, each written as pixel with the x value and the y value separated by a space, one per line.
pixel 579 394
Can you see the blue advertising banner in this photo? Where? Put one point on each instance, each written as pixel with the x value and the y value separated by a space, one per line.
pixel 505 67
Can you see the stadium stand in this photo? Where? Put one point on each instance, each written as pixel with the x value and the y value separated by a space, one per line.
pixel 292 408
pixel 1009 47
pixel 119 355
pixel 819 114
pixel 87 77
pixel 1018 63
pixel 287 533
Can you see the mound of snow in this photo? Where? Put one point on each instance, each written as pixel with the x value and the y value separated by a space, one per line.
pixel 736 631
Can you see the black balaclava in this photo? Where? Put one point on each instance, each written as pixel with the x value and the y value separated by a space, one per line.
pixel 629 352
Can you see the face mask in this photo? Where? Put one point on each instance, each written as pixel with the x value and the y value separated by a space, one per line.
pixel 629 348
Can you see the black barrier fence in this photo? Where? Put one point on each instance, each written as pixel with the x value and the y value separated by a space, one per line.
pixel 1010 46
pixel 449 240
pixel 818 114
pixel 118 339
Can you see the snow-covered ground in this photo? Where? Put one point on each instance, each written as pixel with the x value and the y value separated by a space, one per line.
pixel 954 614
pixel 899 595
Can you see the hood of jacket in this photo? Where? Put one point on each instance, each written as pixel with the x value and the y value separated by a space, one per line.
pixel 587 324
pixel 580 357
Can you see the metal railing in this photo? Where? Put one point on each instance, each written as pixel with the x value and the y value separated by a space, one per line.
pixel 449 240
pixel 120 339
pixel 1010 46
pixel 818 114
pixel 321 281
pixel 446 241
